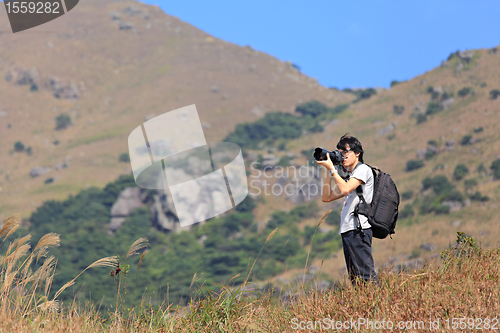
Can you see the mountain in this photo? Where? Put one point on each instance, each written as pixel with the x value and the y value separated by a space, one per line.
pixel 109 66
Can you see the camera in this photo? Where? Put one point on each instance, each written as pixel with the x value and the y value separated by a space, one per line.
pixel 335 155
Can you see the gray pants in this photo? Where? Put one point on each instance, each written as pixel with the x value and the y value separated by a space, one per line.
pixel 358 256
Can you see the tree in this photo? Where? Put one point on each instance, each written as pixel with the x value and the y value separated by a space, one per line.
pixel 460 172
pixel 495 166
pixel 63 121
pixel 414 165
pixel 494 93
pixel 312 108
pixel 18 146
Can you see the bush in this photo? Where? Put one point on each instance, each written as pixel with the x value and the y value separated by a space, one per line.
pixel 312 108
pixel 407 195
pixel 464 91
pixel 495 166
pixel 494 93
pixel 460 172
pixel 63 121
pixel 406 212
pixel 446 95
pixel 414 165
pixel 48 181
pixel 469 183
pixel 466 140
pixel 18 146
pixel 432 143
pixel 29 151
pixel 433 108
pixel 398 109
pixel 333 218
pixel 478 197
pixel 367 93
pixel 453 196
pixel 478 129
pixel 395 83
pixel 441 184
pixel 421 118
pixel 125 157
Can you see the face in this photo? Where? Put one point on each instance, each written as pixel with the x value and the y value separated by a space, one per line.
pixel 350 158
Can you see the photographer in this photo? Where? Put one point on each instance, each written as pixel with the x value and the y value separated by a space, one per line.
pixel 356 240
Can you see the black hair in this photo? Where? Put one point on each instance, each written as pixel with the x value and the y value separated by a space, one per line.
pixel 353 143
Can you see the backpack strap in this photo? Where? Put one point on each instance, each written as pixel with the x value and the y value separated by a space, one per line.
pixel 359 192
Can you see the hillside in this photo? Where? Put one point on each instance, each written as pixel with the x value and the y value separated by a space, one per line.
pixel 439 120
pixel 110 65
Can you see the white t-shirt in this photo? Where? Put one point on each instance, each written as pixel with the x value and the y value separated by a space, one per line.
pixel 347 220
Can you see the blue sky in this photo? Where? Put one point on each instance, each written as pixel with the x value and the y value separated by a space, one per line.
pixel 349 43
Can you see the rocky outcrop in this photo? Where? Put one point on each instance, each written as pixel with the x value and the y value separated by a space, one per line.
pixel 39 171
pixel 128 200
pixel 62 90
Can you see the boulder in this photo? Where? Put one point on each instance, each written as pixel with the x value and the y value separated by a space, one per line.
pixel 128 200
pixel 447 102
pixel 125 25
pixel 39 171
pixel 428 247
pixel 386 130
pixel 61 90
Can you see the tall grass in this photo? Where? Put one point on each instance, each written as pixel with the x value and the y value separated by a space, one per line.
pixel 465 285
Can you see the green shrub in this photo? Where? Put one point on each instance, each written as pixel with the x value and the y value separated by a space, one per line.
pixel 432 143
pixel 483 84
pixel 477 196
pixel 18 146
pixel 421 117
pixel 495 166
pixel 396 82
pixel 454 195
pixel 478 129
pixel 460 172
pixel 312 108
pixel 466 140
pixel 441 185
pixel 414 165
pixel 48 181
pixel 430 154
pixel 469 183
pixel 398 109
pixel 34 87
pixel 446 95
pixel 464 91
pixel 494 93
pixel 433 108
pixel 29 151
pixel 63 121
pixel 407 195
pixel 333 218
pixel 124 157
pixel 406 212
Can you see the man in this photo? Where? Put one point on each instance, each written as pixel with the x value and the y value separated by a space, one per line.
pixel 356 242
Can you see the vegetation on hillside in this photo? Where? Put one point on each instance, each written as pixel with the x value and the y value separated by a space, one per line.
pixel 419 300
pixel 279 127
pixel 215 251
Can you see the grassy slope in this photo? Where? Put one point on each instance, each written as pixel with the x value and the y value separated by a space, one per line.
pixel 160 65
pixel 366 118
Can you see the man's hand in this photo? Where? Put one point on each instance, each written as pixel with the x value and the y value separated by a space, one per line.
pixel 327 164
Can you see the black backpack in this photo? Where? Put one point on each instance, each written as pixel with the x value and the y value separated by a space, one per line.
pixel 382 213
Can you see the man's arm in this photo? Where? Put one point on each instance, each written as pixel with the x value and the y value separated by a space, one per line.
pixel 341 190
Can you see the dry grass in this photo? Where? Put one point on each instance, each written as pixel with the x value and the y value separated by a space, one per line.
pixel 464 286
